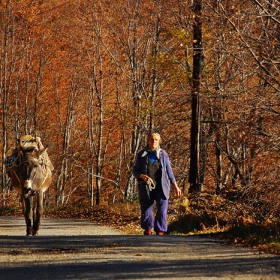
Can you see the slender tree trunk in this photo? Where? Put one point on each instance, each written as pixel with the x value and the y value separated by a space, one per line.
pixel 195 124
pixel 5 93
pixel 99 154
pixel 91 150
pixel 63 173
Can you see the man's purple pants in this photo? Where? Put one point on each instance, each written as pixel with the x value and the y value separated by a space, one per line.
pixel 159 223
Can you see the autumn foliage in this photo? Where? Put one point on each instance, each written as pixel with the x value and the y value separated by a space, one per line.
pixel 91 78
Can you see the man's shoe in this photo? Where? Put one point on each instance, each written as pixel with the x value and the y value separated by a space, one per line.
pixel 148 232
pixel 160 233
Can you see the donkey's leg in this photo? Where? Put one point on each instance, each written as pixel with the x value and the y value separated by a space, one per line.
pixel 38 212
pixel 27 212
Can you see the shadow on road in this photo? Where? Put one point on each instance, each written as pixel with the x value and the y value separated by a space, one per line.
pixel 132 257
pixel 118 269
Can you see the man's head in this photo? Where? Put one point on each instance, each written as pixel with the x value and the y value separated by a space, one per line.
pixel 153 140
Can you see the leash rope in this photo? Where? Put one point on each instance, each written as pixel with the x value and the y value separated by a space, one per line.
pixel 151 184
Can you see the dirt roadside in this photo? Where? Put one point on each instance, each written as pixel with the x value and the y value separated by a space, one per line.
pixel 78 249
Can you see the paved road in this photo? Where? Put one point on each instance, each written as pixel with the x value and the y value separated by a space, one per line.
pixel 75 249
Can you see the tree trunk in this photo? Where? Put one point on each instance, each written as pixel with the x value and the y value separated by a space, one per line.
pixel 195 123
pixel 4 93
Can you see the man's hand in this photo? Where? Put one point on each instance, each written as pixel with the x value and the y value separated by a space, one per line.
pixel 177 189
pixel 146 178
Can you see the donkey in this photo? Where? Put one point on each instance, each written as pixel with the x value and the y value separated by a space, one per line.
pixel 31 175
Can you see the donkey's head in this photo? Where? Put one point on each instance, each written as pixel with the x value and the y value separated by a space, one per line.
pixel 28 143
pixel 31 171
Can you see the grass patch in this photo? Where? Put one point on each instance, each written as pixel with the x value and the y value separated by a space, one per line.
pixel 265 238
pixel 10 210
